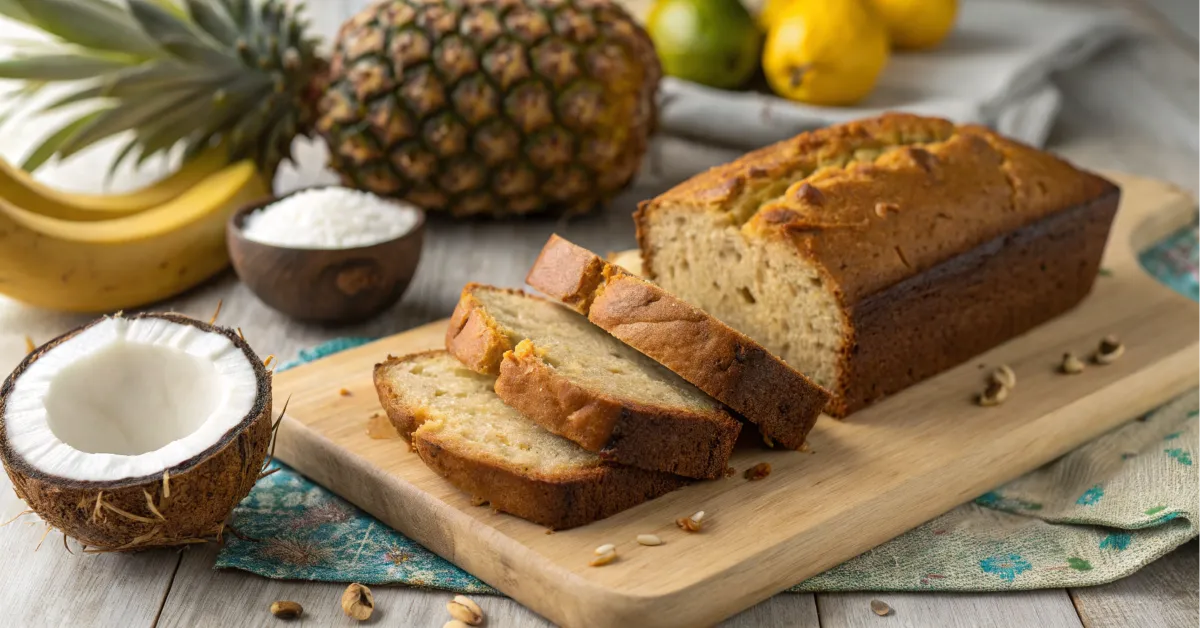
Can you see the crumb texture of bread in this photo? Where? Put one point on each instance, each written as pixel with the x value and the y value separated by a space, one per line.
pixel 462 430
pixel 576 380
pixel 706 352
pixel 827 247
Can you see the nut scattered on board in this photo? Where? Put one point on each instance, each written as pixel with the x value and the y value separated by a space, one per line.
pixel 880 608
pixel 1071 365
pixel 358 602
pixel 605 554
pixel 994 394
pixel 285 609
pixel 1109 350
pixel 344 392
pixel 692 523
pixel 465 609
pixel 1005 376
pixel 649 539
pixel 757 472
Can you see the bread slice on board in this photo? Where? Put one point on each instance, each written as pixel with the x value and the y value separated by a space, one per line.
pixel 704 351
pixel 578 381
pixel 461 429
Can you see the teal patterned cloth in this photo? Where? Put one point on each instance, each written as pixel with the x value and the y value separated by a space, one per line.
pixel 1095 515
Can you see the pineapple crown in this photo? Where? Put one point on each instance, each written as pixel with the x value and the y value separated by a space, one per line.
pixel 235 73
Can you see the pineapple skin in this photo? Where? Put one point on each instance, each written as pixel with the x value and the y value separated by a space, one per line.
pixel 490 107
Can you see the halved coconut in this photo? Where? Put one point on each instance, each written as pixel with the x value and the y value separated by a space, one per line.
pixel 139 431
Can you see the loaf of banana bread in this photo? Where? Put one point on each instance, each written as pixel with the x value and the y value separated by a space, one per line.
pixel 875 254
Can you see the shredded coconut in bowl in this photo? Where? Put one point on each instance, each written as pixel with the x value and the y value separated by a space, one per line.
pixel 330 218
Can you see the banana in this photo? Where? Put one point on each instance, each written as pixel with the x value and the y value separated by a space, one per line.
pixel 22 190
pixel 127 262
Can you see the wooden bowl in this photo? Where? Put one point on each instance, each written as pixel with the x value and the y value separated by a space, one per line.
pixel 325 285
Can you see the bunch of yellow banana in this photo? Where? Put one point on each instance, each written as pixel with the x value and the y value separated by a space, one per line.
pixel 95 253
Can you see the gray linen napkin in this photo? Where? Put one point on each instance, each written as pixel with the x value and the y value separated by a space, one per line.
pixel 993 69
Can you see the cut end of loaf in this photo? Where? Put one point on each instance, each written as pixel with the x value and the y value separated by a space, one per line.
pixel 704 258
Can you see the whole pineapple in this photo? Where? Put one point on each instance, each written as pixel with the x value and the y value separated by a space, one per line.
pixel 475 107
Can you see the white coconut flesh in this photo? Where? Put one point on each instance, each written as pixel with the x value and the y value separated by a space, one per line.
pixel 128 398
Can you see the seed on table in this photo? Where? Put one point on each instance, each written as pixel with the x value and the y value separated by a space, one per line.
pixel 994 394
pixel 648 539
pixel 1109 350
pixel 285 609
pixel 604 559
pixel 880 608
pixel 758 471
pixel 1071 365
pixel 465 609
pixel 1005 376
pixel 358 602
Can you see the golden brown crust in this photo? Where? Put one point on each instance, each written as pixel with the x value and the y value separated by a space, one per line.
pixel 693 442
pixel 894 201
pixel 473 337
pixel 735 183
pixel 573 500
pixel 571 497
pixel 701 349
pixel 688 443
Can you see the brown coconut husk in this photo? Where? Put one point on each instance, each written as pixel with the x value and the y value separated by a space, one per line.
pixel 185 504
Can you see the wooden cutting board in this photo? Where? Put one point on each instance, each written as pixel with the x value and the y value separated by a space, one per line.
pixel 868 479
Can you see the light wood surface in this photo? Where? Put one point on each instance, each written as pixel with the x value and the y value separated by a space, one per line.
pixel 912 456
pixel 1161 595
pixel 1132 108
pixel 1042 609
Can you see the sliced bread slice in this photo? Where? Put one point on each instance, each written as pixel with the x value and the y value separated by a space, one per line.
pixel 704 351
pixel 461 429
pixel 578 381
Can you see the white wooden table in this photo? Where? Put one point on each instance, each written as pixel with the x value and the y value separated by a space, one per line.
pixel 1134 108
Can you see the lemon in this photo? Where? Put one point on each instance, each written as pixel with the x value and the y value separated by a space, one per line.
pixel 771 10
pixel 826 52
pixel 712 42
pixel 917 24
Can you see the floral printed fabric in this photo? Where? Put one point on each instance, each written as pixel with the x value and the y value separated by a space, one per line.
pixel 1095 515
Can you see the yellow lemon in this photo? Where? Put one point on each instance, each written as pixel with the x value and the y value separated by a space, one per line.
pixel 917 24
pixel 770 12
pixel 828 52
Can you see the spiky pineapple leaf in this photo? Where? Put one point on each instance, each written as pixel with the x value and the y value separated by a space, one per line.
pixel 16 99
pixel 95 24
pixel 121 156
pixel 59 67
pixel 239 96
pixel 212 17
pixel 50 146
pixel 146 79
pixel 169 129
pixel 13 10
pixel 132 114
pixel 177 36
